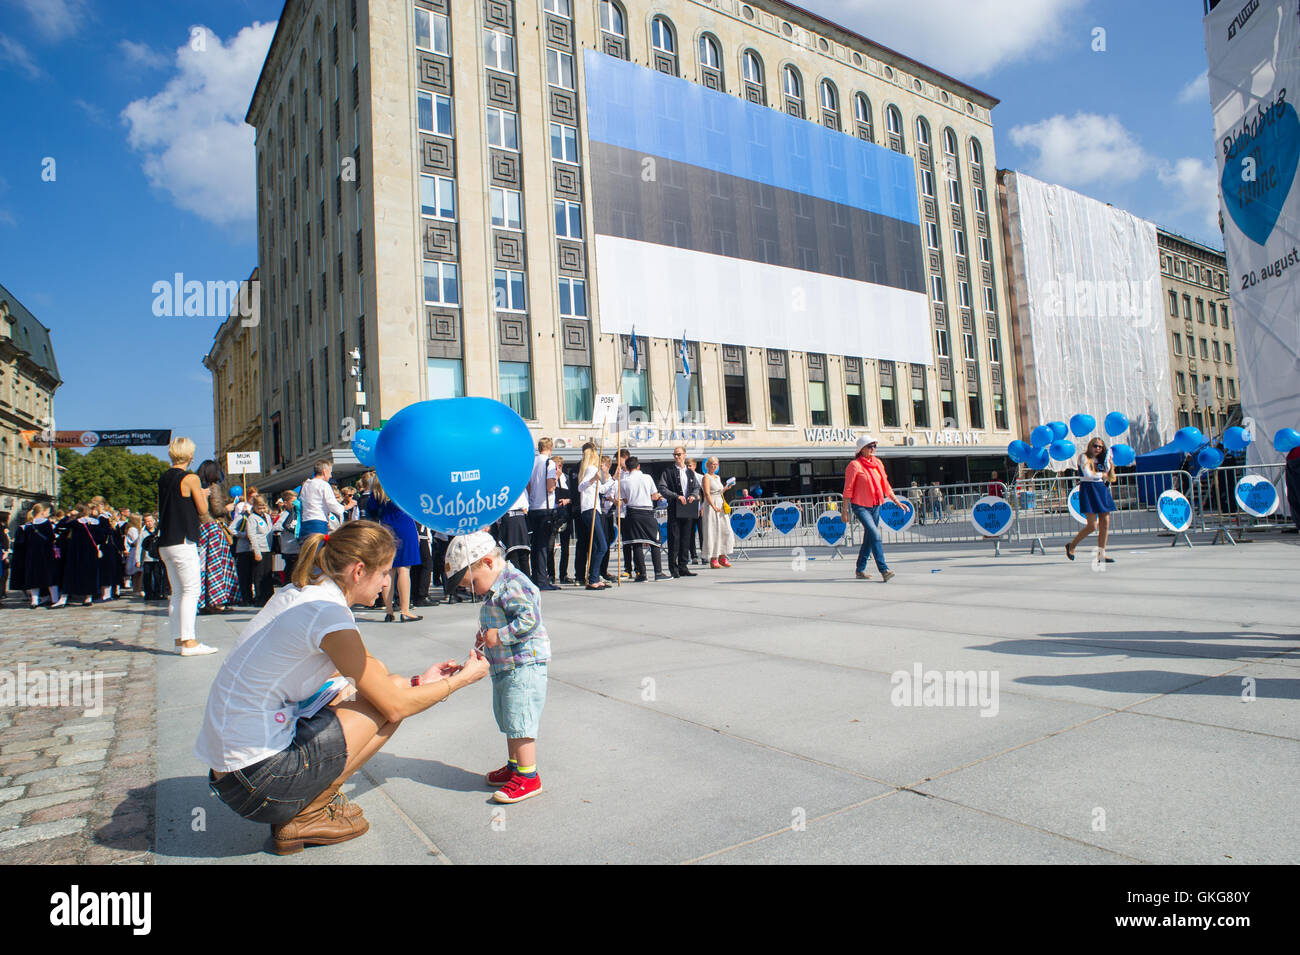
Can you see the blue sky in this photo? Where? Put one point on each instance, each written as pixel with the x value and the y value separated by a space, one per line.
pixel 153 170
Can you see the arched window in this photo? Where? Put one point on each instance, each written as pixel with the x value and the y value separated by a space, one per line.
pixel 611 18
pixel 752 67
pixel 661 34
pixel 710 55
pixel 949 142
pixel 792 84
pixel 976 153
pixel 862 113
pixel 830 98
pixel 894 124
pixel 922 131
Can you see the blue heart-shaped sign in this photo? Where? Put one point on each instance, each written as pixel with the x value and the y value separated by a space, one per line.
pixel 831 527
pixel 896 518
pixel 743 522
pixel 1274 147
pixel 992 516
pixel 1174 511
pixel 1256 496
pixel 785 518
pixel 1075 506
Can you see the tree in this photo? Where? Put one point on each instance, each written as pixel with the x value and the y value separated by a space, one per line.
pixel 123 478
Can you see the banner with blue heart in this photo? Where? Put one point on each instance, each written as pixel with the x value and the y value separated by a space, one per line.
pixel 743 522
pixel 1174 511
pixel 830 527
pixel 1271 144
pixel 785 518
pixel 1256 496
pixel 1073 504
pixel 897 519
pixel 992 516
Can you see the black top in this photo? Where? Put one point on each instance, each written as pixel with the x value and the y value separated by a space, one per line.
pixel 178 518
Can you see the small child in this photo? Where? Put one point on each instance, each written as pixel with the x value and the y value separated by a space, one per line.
pixel 512 636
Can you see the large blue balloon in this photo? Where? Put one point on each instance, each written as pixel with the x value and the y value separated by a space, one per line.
pixel 1116 423
pixel 1037 459
pixel 1060 430
pixel 363 446
pixel 1042 436
pixel 1062 450
pixel 1082 424
pixel 1187 440
pixel 1123 455
pixel 455 464
pixel 1236 438
pixel 1018 450
pixel 1286 440
pixel 1209 458
pixel 236 491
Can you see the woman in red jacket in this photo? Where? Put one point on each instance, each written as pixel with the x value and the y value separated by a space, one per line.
pixel 866 487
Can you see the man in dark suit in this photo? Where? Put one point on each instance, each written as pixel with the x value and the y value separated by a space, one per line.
pixel 680 486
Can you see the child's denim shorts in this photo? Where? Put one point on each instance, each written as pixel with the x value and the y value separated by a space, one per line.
pixel 518 696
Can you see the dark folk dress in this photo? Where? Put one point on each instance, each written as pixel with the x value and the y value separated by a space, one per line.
pixel 38 569
pixel 81 570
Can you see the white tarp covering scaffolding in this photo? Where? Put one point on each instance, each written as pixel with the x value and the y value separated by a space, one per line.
pixel 1086 281
pixel 1254 65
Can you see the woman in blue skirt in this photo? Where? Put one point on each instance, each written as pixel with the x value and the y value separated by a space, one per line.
pixel 380 507
pixel 1096 471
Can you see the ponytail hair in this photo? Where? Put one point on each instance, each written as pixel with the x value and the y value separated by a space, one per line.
pixel 330 555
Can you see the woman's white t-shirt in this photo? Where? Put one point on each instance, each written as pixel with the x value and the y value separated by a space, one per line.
pixel 1088 467
pixel 276 662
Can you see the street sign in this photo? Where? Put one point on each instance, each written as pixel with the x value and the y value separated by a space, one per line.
pixel 243 462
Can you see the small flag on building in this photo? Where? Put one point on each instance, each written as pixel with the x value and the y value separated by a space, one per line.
pixel 636 353
pixel 686 359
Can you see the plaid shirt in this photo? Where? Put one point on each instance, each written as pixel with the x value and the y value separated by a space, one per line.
pixel 514 607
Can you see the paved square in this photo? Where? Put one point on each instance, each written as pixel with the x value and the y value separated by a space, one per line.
pixel 1144 714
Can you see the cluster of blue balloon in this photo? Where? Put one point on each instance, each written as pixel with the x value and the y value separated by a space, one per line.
pixel 1051 441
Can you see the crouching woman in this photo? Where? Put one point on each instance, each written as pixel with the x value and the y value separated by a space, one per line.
pixel 271 761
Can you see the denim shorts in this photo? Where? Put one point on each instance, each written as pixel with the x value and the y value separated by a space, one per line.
pixel 279 787
pixel 518 696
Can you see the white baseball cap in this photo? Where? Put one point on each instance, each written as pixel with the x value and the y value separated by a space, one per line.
pixel 464 551
pixel 865 440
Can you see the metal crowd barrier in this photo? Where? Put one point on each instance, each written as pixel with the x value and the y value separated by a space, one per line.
pixel 1042 508
pixel 1215 506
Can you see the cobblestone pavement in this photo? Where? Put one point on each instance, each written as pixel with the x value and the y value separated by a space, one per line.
pixel 77 782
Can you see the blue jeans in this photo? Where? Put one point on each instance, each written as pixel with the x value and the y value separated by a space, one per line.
pixel 938 509
pixel 869 517
pixel 599 546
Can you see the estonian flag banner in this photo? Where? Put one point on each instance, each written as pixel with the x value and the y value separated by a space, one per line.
pixel 749 226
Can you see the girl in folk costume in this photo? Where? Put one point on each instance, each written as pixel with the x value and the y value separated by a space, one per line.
pixel 220 581
pixel 81 553
pixel 38 556
pixel 110 567
pixel 63 521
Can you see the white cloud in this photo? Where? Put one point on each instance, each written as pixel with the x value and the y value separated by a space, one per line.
pixel 1197 91
pixel 141 54
pixel 195 143
pixel 93 112
pixel 1195 185
pixel 1082 149
pixel 15 55
pixel 963 38
pixel 55 19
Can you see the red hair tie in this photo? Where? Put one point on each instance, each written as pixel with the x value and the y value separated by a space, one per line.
pixel 327 537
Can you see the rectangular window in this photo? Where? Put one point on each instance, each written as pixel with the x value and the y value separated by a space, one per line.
pixel 431 32
pixel 564 143
pixel 498 51
pixel 1214 345
pixel 986 250
pixel 503 128
pixel 578 399
pixel 1200 310
pixel 1183 419
pixel 927 183
pixel 1223 311
pixel 920 410
pixel 1173 303
pixel 441 286
pixel 999 413
pixel 819 403
pixel 968 346
pixel 446 379
pixel 1218 387
pixel 932 235
pixel 1187 307
pixel 1214 315
pixel 979 201
pixel 936 287
pixel 573 298
pixel 517 387
pixel 506 208
pixel 888 407
pixel 737 396
pixel 958 242
pixel 995 351
pixel 690 404
pixel 1232 388
pixel 778 387
pixel 857 407
pixel 559 7
pixel 636 391
pixel 954 192
pixel 976 412
pixel 434 113
pixel 438 197
pixel 1178 343
pixel 1205 350
pixel 559 68
pixel 1182 382
pixel 1227 353
pixel 941 342
pixel 949 406
pixel 568 219
pixel 508 290
pixel 990 305
pixel 963 294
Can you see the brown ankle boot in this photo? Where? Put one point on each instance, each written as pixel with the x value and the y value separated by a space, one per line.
pixel 328 820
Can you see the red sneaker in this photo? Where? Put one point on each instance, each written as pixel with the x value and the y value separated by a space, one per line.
pixel 500 777
pixel 724 562
pixel 518 789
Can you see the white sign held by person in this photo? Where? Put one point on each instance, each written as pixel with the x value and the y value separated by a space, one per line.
pixel 606 412
pixel 1253 48
pixel 243 462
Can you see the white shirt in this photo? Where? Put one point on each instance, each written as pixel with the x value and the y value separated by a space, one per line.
pixel 276 661
pixel 318 501
pixel 1087 470
pixel 638 488
pixel 543 471
pixel 521 504
pixel 590 485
